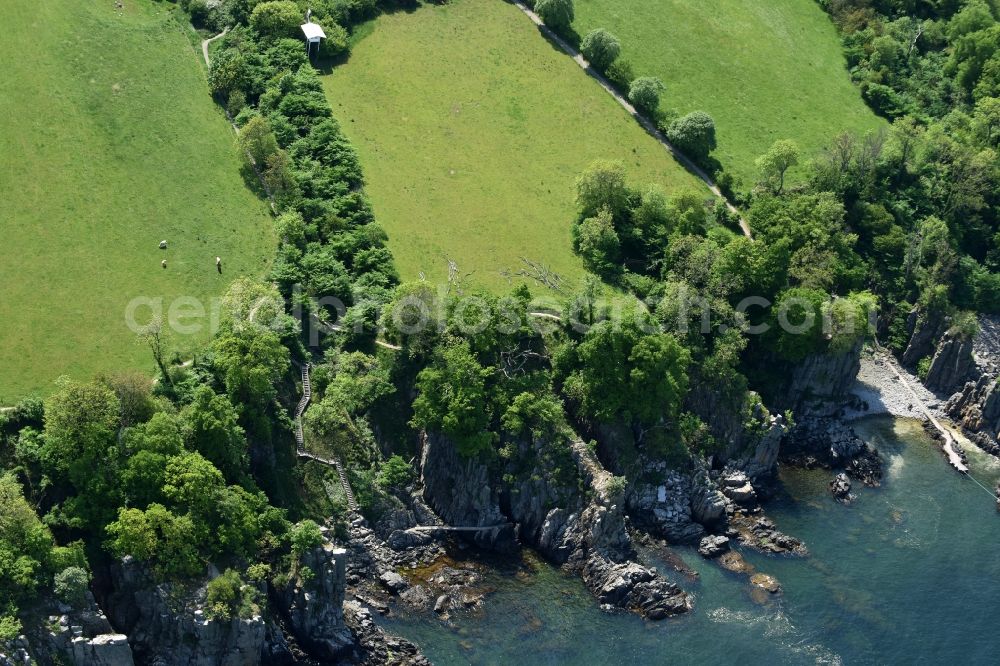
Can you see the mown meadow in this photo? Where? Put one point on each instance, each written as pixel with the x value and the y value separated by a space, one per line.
pixel 109 143
pixel 764 70
pixel 472 129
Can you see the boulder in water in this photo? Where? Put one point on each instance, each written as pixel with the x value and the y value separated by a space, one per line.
pixel 841 488
pixel 713 546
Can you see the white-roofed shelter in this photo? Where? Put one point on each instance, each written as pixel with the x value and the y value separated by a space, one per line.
pixel 314 33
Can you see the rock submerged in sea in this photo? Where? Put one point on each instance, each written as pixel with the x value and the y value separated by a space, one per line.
pixel 765 582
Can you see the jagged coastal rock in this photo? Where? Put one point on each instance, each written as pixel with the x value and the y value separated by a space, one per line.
pixel 822 377
pixel 952 364
pixel 167 625
pixel 977 410
pixel 713 546
pixel 584 532
pixel 313 606
pixel 81 636
pixel 462 492
pixel 840 487
pixel 830 443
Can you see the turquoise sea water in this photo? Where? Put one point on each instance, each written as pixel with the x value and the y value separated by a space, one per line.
pixel 910 573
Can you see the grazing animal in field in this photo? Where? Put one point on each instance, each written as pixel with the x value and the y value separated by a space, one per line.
pixel 218 264
pixel 163 245
pixel 164 263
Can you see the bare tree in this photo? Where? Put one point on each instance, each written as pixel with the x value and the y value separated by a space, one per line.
pixel 152 335
pixel 539 273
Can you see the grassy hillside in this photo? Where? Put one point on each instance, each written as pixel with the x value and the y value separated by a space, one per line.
pixel 764 69
pixel 109 142
pixel 471 130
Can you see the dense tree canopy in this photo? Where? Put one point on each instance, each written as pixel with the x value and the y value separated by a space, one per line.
pixel 453 400
pixel 557 14
pixel 694 134
pixel 620 372
pixel 644 93
pixel 600 48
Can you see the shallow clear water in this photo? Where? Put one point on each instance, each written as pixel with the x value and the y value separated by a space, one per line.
pixel 909 573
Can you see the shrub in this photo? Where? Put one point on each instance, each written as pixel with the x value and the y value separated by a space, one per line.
pixel 644 93
pixel 257 140
pixel 965 325
pixel 259 571
pixel 924 368
pixel 227 596
pixel 198 9
pixel 601 48
pixel 304 536
pixel 620 74
pixel 337 41
pixel 70 585
pixel 616 486
pixel 557 14
pixel 236 103
pixel 395 473
pixel 597 243
pixel 884 100
pixel 278 18
pixel 694 134
pixel 10 627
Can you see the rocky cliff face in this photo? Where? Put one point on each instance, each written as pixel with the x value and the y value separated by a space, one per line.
pixel 313 606
pixel 924 331
pixel 167 626
pixel 976 405
pixel 952 365
pixel 463 493
pixel 977 410
pixel 672 504
pixel 752 446
pixel 822 378
pixel 81 636
pixel 583 531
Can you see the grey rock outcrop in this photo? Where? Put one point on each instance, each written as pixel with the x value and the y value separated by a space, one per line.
pixel 630 585
pixel 102 650
pixel 753 446
pixel 713 545
pixel 708 504
pixel 832 444
pixel 952 364
pixel 313 606
pixel 672 507
pixel 763 462
pixel 462 492
pixel 584 532
pixel 823 377
pixel 923 331
pixel 81 636
pixel 393 582
pixel 976 405
pixel 840 487
pixel 166 626
pixel 977 410
pixel 374 647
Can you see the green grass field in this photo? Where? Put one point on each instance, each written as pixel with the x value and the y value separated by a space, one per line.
pixel 109 142
pixel 764 69
pixel 471 130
